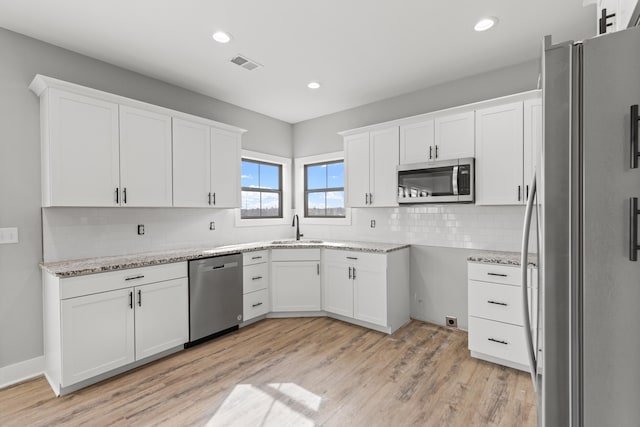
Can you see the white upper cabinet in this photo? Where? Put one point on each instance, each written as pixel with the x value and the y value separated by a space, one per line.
pixel 191 164
pixel 371 163
pixel 499 155
pixel 532 140
pixel 416 141
pixel 145 158
pixel 454 136
pixel 102 150
pixel 225 169
pixel 80 151
pixel 620 14
pixel 357 166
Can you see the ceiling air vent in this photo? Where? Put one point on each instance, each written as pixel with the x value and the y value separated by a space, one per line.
pixel 245 62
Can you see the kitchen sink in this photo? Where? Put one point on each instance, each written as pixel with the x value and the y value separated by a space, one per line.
pixel 295 242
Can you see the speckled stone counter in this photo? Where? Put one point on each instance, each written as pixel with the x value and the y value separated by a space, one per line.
pixel 84 266
pixel 504 258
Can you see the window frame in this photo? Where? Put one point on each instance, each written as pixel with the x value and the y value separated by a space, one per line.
pixel 299 185
pixel 279 192
pixel 325 190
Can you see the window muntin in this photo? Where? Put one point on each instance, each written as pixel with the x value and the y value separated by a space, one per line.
pixel 261 190
pixel 324 190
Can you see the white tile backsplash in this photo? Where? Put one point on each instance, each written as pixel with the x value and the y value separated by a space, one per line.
pixel 70 233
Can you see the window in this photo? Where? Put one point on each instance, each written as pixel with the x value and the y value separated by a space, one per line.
pixel 324 190
pixel 261 190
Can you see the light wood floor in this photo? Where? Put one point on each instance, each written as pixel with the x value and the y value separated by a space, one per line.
pixel 298 372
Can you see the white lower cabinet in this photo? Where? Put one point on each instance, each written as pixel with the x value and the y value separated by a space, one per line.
pixel 372 289
pixel 496 321
pixel 295 280
pixel 255 284
pixel 99 323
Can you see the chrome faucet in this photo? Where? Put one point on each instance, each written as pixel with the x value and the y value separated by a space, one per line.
pixel 296 223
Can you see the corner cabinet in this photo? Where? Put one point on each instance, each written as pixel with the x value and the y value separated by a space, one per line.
pixel 368 289
pixel 206 166
pixel 104 150
pixel 99 325
pixel 371 160
pixel 295 280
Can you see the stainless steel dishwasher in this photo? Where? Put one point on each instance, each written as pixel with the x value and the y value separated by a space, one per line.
pixel 215 296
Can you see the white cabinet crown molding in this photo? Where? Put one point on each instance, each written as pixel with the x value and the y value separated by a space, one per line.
pixel 521 96
pixel 40 83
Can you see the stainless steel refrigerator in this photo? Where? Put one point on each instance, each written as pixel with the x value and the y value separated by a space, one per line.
pixel 587 365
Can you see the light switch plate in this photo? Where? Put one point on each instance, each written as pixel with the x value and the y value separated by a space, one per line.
pixel 8 235
pixel 212 225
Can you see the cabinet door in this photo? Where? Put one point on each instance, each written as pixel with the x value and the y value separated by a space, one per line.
pixel 370 295
pixel 191 164
pixel 337 288
pixel 532 140
pixel 356 148
pixel 145 158
pixel 162 316
pixel 225 169
pixel 80 151
pixel 295 286
pixel 97 334
pixel 499 142
pixel 415 141
pixel 454 136
pixel 384 154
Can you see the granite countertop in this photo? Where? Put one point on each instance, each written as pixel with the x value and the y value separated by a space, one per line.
pixel 504 258
pixel 79 267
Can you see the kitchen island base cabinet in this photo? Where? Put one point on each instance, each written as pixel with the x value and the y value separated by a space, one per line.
pixel 99 325
pixel 370 290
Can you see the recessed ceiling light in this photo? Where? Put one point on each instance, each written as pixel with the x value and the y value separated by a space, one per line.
pixel 485 23
pixel 313 85
pixel 221 37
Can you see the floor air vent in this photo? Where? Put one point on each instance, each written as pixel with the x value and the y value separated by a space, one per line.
pixel 245 62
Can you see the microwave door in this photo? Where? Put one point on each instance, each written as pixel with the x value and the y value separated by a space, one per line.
pixel 429 185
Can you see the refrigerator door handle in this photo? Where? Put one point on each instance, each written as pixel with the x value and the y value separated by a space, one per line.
pixel 525 297
pixel 635 151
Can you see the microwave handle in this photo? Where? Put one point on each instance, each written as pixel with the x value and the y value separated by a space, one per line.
pixel 455 180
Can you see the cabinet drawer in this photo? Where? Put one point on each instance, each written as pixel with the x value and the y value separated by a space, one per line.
pixel 255 257
pixel 362 259
pixel 495 302
pixel 255 277
pixel 295 255
pixel 498 339
pixel 255 304
pixel 505 274
pixel 102 282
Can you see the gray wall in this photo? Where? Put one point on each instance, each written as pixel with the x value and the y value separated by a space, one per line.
pixel 438 275
pixel 319 135
pixel 22 59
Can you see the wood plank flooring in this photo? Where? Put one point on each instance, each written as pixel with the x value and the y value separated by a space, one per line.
pixel 296 372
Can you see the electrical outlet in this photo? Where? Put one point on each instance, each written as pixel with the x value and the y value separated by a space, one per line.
pixel 212 225
pixel 8 235
pixel 140 229
pixel 373 223
pixel 451 321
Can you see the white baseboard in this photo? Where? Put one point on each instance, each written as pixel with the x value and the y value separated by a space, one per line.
pixel 21 371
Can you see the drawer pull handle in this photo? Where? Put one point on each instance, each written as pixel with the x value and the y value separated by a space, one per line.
pixel 256 278
pixel 135 277
pixel 497 274
pixel 258 304
pixel 352 257
pixel 256 257
pixel 498 303
pixel 498 341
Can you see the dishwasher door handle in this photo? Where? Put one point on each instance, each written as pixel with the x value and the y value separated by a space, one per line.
pixel 225 266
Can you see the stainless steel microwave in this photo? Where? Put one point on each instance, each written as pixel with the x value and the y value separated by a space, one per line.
pixel 446 181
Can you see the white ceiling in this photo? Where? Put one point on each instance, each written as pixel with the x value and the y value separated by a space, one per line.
pixel 360 50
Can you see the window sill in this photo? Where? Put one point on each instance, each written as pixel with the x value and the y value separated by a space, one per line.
pixel 326 221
